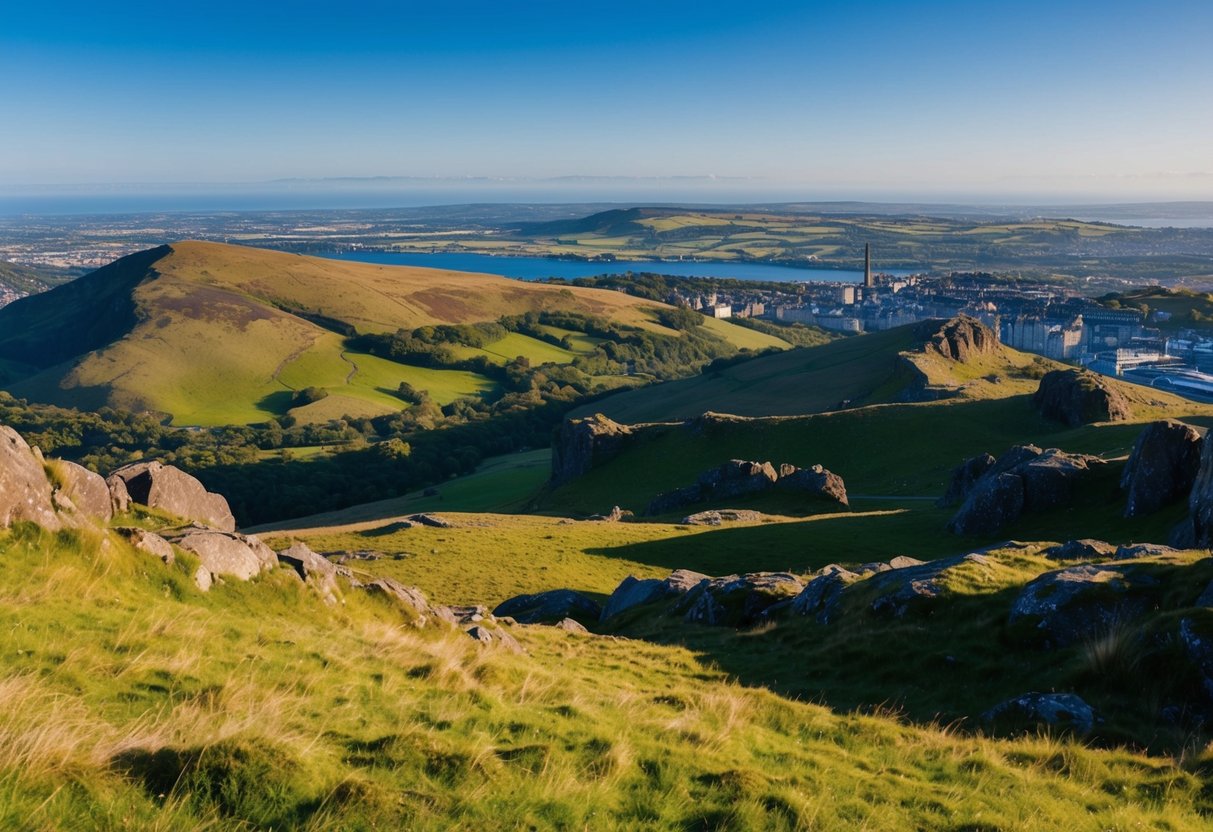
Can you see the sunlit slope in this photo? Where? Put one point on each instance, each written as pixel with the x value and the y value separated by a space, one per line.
pixel 217 334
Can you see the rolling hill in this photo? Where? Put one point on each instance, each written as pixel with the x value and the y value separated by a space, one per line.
pixel 213 334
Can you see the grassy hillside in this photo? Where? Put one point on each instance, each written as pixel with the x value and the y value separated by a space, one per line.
pixel 843 373
pixel 296 715
pixel 215 334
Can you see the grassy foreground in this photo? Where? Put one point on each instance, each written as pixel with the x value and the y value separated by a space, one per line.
pixel 134 702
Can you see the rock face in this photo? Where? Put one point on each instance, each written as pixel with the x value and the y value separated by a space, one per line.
pixel 313 570
pixel 740 478
pixel 1083 549
pixel 148 542
pixel 170 489
pixel 1063 710
pixel 633 592
pixel 1023 480
pixel 1197 530
pixel 25 491
pixel 1162 467
pixel 1079 602
pixel 549 607
pixel 580 444
pixel 958 339
pixel 964 477
pixel 821 596
pixel 229 554
pixel 1080 397
pixel 87 490
pixel 737 600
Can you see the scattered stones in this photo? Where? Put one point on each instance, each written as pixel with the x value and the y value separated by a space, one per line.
pixel 1083 549
pixel 549 607
pixel 148 542
pixel 228 553
pixel 1061 710
pixel 724 515
pixel 1068 605
pixel 313 570
pixel 25 491
pixel 1023 480
pixel 165 487
pixel 580 444
pixel 494 638
pixel 1080 397
pixel 1162 467
pixel 86 489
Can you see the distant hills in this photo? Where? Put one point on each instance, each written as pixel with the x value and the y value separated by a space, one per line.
pixel 207 333
pixel 26 280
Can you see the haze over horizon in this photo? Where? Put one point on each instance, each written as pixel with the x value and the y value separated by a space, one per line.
pixel 791 101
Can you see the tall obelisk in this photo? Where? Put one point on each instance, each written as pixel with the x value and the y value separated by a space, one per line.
pixel 867 266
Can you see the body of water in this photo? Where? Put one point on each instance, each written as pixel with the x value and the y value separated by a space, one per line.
pixel 538 268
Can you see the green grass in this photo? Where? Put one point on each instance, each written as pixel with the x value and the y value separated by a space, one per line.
pixel 294 715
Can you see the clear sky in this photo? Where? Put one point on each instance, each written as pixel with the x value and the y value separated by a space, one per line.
pixel 1108 100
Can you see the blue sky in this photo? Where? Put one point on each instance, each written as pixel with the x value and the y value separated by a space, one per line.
pixel 871 99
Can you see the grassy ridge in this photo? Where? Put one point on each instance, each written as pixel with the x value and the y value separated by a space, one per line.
pixel 296 715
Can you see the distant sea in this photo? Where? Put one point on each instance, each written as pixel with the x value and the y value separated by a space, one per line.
pixel 538 268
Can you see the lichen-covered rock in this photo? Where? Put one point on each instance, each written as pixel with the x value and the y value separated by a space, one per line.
pixel 1162 467
pixel 165 487
pixel 549 607
pixel 1069 605
pixel 1060 710
pixel 315 571
pixel 737 600
pixel 148 542
pixel 580 444
pixel 25 491
pixel 898 592
pixel 86 489
pixel 1080 397
pixel 1083 549
pixel 229 554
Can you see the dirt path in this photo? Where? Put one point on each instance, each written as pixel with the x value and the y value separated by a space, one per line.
pixel 353 367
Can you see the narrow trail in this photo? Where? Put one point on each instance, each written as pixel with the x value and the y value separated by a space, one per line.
pixel 353 367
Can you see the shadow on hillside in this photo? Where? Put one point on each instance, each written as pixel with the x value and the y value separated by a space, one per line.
pixel 278 402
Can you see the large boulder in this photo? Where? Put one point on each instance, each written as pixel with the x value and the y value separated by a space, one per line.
pixel 549 607
pixel 821 595
pixel 737 600
pixel 717 517
pixel 1162 467
pixel 815 481
pixel 1080 397
pixel 634 592
pixel 581 444
pixel 229 554
pixel 315 571
pixel 170 489
pixel 25 490
pixel 149 543
pixel 1197 530
pixel 739 478
pixel 86 489
pixel 1059 710
pixel 964 477
pixel 1024 480
pixel 1070 605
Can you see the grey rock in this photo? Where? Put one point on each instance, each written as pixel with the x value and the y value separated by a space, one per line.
pixel 1162 467
pixel 1062 710
pixel 964 476
pixel 902 561
pixel 549 607
pixel 580 444
pixel 737 600
pixel 1083 549
pixel 993 504
pixel 1069 605
pixel 120 498
pixel 1197 530
pixel 634 592
pixel 571 626
pixel 720 516
pixel 682 581
pixel 314 570
pixel 821 596
pixel 203 578
pixel 148 542
pixel 899 592
pixel 815 481
pixel 494 638
pixel 469 613
pixel 740 478
pixel 1080 397
pixel 165 487
pixel 431 520
pixel 409 598
pixel 25 491
pixel 1132 551
pixel 229 554
pixel 86 489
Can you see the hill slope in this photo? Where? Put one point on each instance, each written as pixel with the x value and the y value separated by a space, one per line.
pixel 215 334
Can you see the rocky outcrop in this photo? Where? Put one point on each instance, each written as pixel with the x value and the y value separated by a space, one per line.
pixel 229 554
pixel 960 339
pixel 737 600
pixel 314 570
pixel 1025 480
pixel 25 491
pixel 1197 530
pixel 739 478
pixel 1073 604
pixel 167 488
pixel 724 515
pixel 549 607
pixel 149 543
pixel 1082 549
pixel 964 477
pixel 1080 397
pixel 408 598
pixel 914 588
pixel 581 444
pixel 1133 551
pixel 821 596
pixel 1162 467
pixel 87 490
pixel 634 592
pixel 1060 710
